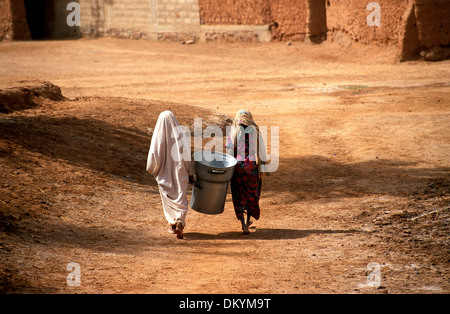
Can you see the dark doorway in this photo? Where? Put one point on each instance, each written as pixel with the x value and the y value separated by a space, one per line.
pixel 40 17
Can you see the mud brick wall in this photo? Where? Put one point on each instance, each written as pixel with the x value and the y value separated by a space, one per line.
pixel 234 12
pixel 235 20
pixel 414 26
pixel 289 19
pixel 350 17
pixel 20 25
pixel 317 20
pixel 426 31
pixel 433 22
pixel 5 20
pixel 13 22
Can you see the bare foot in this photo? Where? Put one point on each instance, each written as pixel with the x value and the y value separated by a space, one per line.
pixel 172 228
pixel 244 226
pixel 179 230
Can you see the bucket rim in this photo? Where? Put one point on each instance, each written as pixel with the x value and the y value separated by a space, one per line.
pixel 224 156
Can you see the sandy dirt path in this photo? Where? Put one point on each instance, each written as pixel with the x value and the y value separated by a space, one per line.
pixel 364 146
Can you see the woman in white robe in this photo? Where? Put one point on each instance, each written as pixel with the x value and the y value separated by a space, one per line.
pixel 169 162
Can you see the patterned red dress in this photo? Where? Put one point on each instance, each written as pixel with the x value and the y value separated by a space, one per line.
pixel 246 181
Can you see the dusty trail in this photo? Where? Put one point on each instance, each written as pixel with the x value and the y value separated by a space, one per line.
pixel 363 153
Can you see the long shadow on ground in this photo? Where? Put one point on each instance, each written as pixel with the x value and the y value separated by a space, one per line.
pixel 264 234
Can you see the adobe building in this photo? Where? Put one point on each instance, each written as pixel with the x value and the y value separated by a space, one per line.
pixel 415 27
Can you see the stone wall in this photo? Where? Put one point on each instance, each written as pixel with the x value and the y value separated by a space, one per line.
pixel 151 19
pixel 126 19
pixel 178 20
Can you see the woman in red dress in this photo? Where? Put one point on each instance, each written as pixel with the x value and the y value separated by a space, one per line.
pixel 245 144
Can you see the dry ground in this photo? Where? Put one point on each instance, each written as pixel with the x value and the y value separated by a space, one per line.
pixel 364 174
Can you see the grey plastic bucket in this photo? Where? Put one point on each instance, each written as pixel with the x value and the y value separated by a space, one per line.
pixel 213 172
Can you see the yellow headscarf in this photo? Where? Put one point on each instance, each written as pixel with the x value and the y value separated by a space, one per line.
pixel 245 118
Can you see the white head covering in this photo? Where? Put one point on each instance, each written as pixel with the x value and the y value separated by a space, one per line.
pixel 166 163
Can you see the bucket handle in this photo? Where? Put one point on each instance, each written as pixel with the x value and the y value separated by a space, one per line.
pixel 198 186
pixel 216 171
